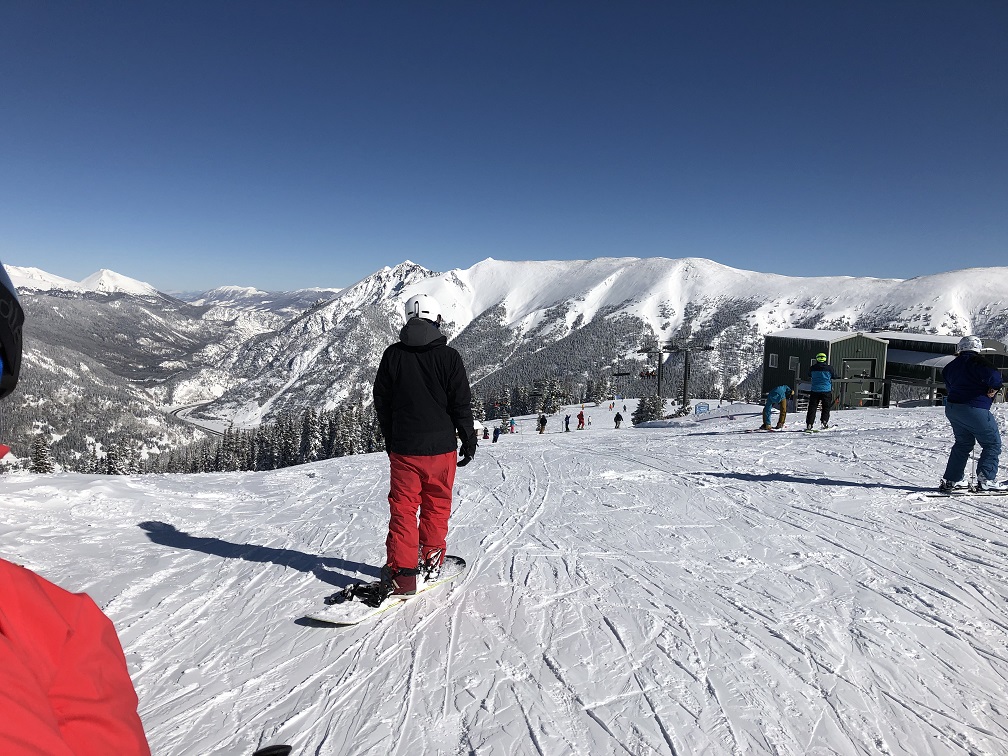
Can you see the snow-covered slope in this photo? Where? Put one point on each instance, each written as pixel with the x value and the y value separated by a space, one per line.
pixel 685 590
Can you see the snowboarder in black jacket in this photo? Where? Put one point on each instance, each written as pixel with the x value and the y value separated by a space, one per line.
pixel 423 402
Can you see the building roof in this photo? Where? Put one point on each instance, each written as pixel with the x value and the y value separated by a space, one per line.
pixel 928 338
pixel 812 334
pixel 990 345
pixel 922 359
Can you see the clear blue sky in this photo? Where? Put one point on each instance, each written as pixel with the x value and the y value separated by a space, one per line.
pixel 292 144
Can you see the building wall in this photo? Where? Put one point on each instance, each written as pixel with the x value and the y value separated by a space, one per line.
pixel 804 350
pixel 853 349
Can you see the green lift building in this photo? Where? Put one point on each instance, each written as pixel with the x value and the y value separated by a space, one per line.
pixel 866 364
pixel 788 356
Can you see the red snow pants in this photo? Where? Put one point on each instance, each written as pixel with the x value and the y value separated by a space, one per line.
pixel 418 485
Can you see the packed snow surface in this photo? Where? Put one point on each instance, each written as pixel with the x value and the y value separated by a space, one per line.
pixel 673 590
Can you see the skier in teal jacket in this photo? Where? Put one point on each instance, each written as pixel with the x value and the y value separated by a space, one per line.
pixel 778 397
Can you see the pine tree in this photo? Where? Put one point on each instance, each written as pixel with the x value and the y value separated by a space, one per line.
pixel 354 443
pixel 478 408
pixel 377 440
pixel 648 408
pixel 311 437
pixel 133 462
pixel 287 441
pixel 228 459
pixel 553 396
pixel 265 455
pixel 41 457
pixel 115 463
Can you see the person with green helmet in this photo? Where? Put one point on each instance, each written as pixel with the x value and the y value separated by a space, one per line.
pixel 821 376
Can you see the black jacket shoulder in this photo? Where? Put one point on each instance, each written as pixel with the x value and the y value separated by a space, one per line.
pixel 422 395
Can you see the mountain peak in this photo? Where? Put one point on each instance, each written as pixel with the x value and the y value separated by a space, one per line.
pixel 108 281
pixel 36 279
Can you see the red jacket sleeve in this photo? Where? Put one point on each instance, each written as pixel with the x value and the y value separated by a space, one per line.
pixel 64 686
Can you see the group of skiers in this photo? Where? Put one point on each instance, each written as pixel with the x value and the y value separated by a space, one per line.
pixel 821 377
pixel 567 419
pixel 971 381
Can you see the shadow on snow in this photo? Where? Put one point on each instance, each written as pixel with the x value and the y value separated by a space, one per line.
pixel 165 534
pixel 784 478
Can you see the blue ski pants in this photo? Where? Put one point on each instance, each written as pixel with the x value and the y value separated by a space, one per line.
pixel 972 425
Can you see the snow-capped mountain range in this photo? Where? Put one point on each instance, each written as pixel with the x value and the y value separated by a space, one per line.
pixel 249 354
pixel 103 282
pixel 283 303
pixel 516 321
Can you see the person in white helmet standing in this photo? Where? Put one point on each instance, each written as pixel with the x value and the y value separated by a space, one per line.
pixel 423 400
pixel 972 384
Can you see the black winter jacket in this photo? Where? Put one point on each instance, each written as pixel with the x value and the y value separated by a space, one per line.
pixel 422 395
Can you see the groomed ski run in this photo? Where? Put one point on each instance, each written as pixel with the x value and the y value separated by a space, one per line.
pixel 672 590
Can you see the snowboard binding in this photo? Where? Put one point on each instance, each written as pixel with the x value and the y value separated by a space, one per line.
pixel 372 594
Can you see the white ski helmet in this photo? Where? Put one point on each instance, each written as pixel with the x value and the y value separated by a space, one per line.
pixel 423 306
pixel 969 344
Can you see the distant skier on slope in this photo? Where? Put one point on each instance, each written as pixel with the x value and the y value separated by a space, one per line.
pixel 777 397
pixel 422 398
pixel 821 376
pixel 972 384
pixel 619 419
pixel 64 686
pixel 541 423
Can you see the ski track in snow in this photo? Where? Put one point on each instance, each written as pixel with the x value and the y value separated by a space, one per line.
pixel 682 590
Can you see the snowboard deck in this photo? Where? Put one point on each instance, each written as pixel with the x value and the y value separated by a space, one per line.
pixel 353 611
pixel 964 492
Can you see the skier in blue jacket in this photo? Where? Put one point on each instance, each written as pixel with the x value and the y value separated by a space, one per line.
pixel 972 384
pixel 777 397
pixel 822 376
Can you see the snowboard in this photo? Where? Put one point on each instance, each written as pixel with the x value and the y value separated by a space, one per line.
pixel 965 492
pixel 817 430
pixel 343 608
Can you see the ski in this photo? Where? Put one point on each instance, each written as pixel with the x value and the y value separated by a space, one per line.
pixel 345 608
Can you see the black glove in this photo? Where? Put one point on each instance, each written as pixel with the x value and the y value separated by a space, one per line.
pixel 468 451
